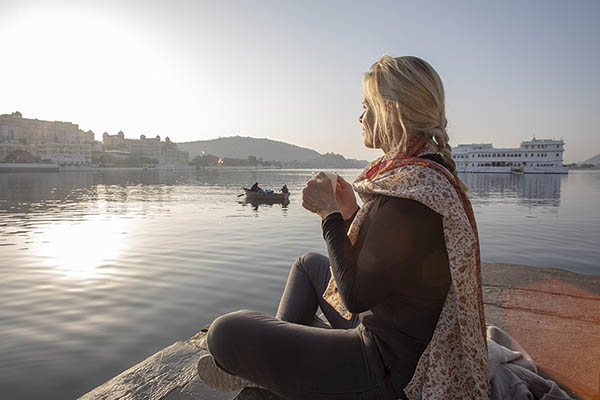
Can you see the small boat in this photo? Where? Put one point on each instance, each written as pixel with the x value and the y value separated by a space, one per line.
pixel 516 171
pixel 267 195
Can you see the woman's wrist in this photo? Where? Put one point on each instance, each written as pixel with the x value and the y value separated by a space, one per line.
pixel 349 212
pixel 332 208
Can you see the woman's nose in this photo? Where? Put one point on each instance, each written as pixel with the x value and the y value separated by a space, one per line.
pixel 360 118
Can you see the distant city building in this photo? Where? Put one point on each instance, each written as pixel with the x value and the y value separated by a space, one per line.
pixel 170 154
pixel 165 152
pixel 536 156
pixel 142 146
pixel 60 142
pixel 64 143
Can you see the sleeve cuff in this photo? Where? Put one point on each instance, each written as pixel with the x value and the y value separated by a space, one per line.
pixel 349 220
pixel 332 215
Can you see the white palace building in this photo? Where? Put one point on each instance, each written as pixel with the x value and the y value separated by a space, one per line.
pixel 536 156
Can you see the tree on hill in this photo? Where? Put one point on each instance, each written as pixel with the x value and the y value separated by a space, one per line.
pixel 135 160
pixel 205 160
pixel 234 162
pixel 21 156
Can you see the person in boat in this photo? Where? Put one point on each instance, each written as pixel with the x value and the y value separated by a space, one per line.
pixel 401 286
pixel 255 188
pixel 284 189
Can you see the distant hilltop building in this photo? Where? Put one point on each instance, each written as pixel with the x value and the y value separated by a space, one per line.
pixel 60 142
pixel 65 144
pixel 165 152
pixel 536 156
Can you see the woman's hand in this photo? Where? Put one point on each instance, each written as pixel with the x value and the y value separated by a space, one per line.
pixel 344 196
pixel 317 196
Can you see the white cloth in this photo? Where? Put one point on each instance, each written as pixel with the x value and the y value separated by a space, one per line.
pixel 512 373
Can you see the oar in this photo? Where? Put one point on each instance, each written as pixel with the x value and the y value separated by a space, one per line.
pixel 240 195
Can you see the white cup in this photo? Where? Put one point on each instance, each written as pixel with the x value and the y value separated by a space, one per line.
pixel 331 176
pixel 333 179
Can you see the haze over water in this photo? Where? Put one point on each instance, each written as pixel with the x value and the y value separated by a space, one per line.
pixel 99 270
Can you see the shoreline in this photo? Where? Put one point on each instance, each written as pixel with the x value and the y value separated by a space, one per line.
pixel 49 167
pixel 554 314
pixel 33 167
pixel 41 167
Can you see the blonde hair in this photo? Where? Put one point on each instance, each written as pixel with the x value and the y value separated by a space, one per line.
pixel 406 97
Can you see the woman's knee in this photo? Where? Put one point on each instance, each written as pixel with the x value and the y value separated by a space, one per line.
pixel 235 340
pixel 224 334
pixel 311 263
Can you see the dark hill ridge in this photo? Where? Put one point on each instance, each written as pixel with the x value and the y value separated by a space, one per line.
pixel 594 160
pixel 242 147
pixel 237 147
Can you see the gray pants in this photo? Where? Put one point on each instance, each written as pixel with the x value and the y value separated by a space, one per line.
pixel 295 356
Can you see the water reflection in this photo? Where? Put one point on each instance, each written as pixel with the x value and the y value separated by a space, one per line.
pixel 78 249
pixel 100 269
pixel 528 189
pixel 264 203
pixel 48 192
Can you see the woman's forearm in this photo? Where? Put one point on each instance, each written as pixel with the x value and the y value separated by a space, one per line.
pixel 343 262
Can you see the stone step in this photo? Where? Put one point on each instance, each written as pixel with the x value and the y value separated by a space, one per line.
pixel 553 314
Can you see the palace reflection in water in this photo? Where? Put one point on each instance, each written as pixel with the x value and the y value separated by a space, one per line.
pixel 529 189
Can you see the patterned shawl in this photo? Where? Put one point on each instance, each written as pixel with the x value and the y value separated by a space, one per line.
pixel 454 364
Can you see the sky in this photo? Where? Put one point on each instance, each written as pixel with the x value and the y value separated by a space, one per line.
pixel 291 70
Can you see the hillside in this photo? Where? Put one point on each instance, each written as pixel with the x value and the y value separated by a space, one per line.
pixel 236 150
pixel 594 160
pixel 242 147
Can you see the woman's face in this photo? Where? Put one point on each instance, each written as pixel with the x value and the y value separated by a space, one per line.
pixel 366 120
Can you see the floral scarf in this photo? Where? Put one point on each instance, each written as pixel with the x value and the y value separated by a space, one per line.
pixel 454 364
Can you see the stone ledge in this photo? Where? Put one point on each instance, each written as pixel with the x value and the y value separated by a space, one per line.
pixel 553 314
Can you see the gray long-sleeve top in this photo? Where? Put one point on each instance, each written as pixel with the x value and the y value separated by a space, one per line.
pixel 396 276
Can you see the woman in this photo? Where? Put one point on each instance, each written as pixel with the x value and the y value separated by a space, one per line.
pixel 401 287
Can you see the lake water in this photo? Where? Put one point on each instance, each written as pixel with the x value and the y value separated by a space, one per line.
pixel 99 270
